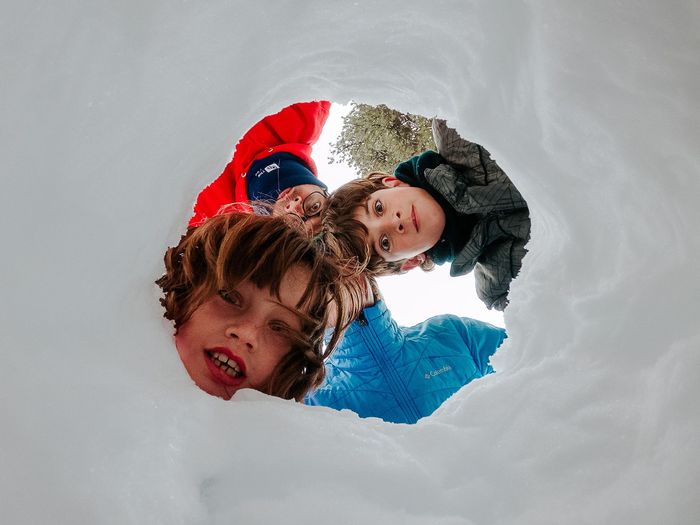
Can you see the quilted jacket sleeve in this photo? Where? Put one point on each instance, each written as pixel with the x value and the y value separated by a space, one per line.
pixel 482 339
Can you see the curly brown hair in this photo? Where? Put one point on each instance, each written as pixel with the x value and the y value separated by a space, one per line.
pixel 339 220
pixel 230 248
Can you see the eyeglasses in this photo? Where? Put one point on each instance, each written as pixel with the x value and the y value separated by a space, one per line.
pixel 313 204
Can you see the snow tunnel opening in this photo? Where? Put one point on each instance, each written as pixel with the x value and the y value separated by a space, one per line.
pixel 275 170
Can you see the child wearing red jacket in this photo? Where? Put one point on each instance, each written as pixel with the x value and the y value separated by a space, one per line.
pixel 272 162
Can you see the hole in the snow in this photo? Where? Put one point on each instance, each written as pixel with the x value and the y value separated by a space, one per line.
pixel 397 191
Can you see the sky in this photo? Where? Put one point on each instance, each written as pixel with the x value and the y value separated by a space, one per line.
pixel 113 116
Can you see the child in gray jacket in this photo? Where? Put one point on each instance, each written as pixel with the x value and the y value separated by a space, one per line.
pixel 455 205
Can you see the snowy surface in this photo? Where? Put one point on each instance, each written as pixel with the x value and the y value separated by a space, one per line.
pixel 114 113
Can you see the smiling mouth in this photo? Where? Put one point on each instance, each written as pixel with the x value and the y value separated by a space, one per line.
pixel 225 364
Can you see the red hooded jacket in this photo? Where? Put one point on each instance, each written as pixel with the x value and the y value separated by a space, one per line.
pixel 293 130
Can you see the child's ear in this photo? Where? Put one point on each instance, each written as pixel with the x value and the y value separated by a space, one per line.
pixel 410 264
pixel 392 182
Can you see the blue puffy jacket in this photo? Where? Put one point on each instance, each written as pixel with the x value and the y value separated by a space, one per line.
pixel 403 374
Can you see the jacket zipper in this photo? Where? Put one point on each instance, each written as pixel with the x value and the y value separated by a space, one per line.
pixel 393 380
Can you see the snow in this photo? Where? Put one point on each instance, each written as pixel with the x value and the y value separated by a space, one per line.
pixel 113 116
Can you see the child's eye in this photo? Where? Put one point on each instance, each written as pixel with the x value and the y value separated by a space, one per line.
pixel 378 207
pixel 279 328
pixel 384 243
pixel 231 297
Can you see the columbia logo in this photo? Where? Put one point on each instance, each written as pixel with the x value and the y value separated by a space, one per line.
pixel 433 373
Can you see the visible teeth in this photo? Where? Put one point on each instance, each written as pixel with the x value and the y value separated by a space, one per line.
pixel 226 364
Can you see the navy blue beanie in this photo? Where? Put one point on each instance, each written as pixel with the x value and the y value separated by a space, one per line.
pixel 269 176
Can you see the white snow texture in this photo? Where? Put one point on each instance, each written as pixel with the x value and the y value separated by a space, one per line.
pixel 115 113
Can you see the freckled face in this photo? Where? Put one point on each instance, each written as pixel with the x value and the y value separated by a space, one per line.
pixel 235 339
pixel 402 220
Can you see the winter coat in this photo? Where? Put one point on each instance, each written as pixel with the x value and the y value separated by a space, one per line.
pixel 471 182
pixel 293 130
pixel 403 374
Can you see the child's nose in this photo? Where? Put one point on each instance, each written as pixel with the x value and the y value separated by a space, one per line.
pixel 398 223
pixel 243 333
pixel 294 205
